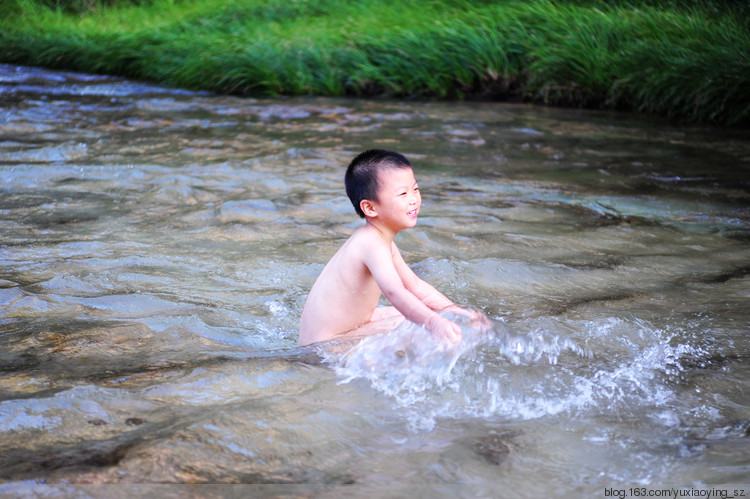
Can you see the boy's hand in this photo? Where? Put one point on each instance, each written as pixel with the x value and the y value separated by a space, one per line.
pixel 442 328
pixel 474 317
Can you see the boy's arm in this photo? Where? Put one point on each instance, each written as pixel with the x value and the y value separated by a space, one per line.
pixel 430 296
pixel 381 262
pixel 427 293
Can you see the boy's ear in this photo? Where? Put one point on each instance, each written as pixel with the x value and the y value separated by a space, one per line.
pixel 368 208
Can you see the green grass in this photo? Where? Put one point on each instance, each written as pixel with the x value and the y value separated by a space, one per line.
pixel 687 60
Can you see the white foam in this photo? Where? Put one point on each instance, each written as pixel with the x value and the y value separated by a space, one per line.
pixel 496 372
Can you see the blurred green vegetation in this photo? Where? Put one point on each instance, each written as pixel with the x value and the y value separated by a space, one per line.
pixel 685 59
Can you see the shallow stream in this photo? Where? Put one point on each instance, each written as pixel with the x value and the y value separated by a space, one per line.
pixel 157 246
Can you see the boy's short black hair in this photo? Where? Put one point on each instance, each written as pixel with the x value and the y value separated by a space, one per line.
pixel 361 177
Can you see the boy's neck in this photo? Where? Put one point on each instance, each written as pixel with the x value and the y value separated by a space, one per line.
pixel 387 234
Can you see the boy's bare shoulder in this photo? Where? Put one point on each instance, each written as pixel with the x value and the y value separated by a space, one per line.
pixel 368 238
pixel 368 248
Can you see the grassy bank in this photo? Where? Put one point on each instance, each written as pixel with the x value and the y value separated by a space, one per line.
pixel 690 62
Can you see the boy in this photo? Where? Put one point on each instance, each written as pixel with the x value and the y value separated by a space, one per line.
pixel 343 302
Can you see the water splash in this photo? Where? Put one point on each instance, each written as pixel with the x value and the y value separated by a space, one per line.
pixel 498 372
pixel 405 356
pixel 410 353
pixel 409 365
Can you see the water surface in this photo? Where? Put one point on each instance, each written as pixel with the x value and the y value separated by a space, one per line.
pixel 157 247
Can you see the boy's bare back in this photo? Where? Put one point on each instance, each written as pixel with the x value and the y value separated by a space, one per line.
pixel 346 294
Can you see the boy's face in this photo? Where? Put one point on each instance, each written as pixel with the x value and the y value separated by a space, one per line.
pixel 398 198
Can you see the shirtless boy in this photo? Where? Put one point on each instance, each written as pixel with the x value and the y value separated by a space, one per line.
pixel 343 302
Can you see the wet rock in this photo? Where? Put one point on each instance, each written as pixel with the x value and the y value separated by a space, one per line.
pixel 493 448
pixel 98 454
